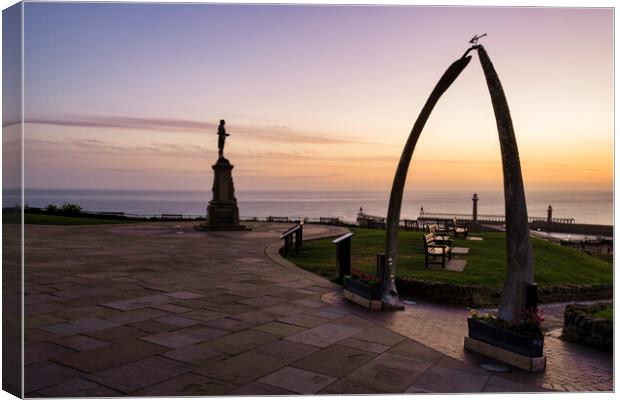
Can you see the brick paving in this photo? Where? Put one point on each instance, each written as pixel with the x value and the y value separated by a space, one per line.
pixel 140 309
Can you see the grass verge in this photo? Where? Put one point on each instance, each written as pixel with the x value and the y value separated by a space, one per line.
pixel 606 312
pixel 486 262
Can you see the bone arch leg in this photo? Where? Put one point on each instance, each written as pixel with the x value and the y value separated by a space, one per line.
pixel 390 296
pixel 518 247
pixel 519 250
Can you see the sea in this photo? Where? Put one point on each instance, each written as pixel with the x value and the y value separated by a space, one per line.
pixel 589 207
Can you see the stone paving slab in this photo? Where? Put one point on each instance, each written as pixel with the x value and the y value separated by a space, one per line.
pixel 79 387
pixel 279 328
pixel 103 358
pixel 460 250
pixel 137 303
pixel 172 339
pixel 335 360
pixel 364 345
pixel 379 335
pixel 80 326
pixel 41 375
pixel 154 326
pixel 390 373
pixel 257 317
pixel 188 384
pixel 231 324
pixel 298 380
pixel 260 389
pixel 243 368
pixel 451 265
pixel 304 320
pixel 228 324
pixel 438 379
pixel 351 386
pixel 117 334
pixel 79 342
pixel 140 374
pixel 198 354
pixel 132 316
pixel 43 351
pixel 241 341
pixel 324 335
pixel 409 348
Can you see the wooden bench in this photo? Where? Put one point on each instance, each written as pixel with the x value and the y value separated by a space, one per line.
pixel 442 237
pixel 435 247
pixel 459 231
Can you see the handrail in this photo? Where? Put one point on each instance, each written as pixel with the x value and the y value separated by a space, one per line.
pixel 489 217
pixel 373 220
pixel 169 216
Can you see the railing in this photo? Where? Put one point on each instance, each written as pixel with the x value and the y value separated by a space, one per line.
pixel 488 218
pixel 137 216
pixel 374 222
pixel 306 220
pixel 180 217
pixel 293 235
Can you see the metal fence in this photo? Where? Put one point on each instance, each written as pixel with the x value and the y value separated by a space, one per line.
pixel 488 218
pixel 181 217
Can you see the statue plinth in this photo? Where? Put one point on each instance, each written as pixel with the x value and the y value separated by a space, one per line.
pixel 222 211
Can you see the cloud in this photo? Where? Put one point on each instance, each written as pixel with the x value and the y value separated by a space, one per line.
pixel 276 133
pixel 103 146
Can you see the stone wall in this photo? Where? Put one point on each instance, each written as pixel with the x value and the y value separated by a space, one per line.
pixel 479 296
pixel 581 326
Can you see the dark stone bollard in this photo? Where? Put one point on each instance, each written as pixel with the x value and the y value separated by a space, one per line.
pixel 343 255
pixel 531 297
pixel 380 266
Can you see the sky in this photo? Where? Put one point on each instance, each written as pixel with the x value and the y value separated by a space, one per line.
pixel 128 96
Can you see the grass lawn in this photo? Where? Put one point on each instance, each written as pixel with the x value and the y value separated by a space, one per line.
pixel 486 261
pixel 43 219
pixel 606 313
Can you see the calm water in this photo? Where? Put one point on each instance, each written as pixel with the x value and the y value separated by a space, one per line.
pixel 585 207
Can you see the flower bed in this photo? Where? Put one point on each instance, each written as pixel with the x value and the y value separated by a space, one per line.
pixel 523 337
pixel 362 284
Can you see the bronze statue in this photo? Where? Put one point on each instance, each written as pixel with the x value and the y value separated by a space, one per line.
pixel 221 133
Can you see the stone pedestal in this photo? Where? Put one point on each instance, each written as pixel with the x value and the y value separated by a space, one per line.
pixel 222 211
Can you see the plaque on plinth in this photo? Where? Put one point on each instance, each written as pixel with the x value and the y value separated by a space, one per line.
pixel 222 211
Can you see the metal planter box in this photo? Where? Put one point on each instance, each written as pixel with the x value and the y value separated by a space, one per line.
pixel 372 292
pixel 530 346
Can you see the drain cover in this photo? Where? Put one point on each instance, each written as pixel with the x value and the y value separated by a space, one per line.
pixel 410 302
pixel 494 367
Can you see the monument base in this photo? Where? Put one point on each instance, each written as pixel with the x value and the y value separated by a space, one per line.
pixel 222 211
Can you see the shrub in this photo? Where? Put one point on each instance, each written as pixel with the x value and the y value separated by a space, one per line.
pixel 51 208
pixel 71 209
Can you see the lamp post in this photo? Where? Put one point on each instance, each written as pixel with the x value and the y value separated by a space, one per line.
pixel 474 211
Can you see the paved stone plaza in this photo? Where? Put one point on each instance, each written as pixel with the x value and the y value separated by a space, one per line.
pixel 159 309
